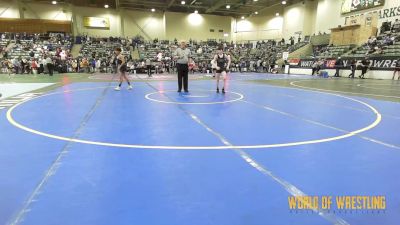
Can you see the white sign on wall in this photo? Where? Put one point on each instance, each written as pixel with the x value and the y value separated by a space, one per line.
pixel 285 55
pixel 96 22
pixel 389 12
pixel 349 6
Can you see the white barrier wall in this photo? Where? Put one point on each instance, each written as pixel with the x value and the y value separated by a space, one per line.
pixel 374 74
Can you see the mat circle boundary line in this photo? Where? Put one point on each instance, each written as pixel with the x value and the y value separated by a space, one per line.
pixel 12 121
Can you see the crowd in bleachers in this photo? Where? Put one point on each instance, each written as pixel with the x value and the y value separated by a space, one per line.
pixel 386 44
pixel 40 53
pixel 96 54
pixel 255 57
pixel 28 53
pixel 3 45
pixel 160 54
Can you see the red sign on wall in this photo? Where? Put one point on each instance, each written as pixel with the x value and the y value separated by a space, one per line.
pixel 330 63
pixel 294 61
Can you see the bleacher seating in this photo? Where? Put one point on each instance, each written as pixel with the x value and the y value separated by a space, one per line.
pixel 150 50
pixel 101 49
pixel 4 43
pixel 27 47
pixel 23 48
pixel 335 51
pixel 392 50
pixel 386 44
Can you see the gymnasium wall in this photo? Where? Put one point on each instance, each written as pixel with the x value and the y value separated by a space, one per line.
pixel 112 15
pixel 8 10
pixel 34 11
pixel 52 18
pixel 147 24
pixel 127 22
pixel 196 26
pixel 13 25
pixel 310 13
pixel 329 16
pixel 265 25
pixel 313 16
pixel 47 12
pixel 293 17
pixel 310 16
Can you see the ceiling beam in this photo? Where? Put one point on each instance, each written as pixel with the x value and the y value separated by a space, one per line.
pixel 270 6
pixel 216 6
pixel 221 3
pixel 23 4
pixel 148 4
pixel 170 3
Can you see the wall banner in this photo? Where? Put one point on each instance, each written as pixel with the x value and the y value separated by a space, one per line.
pixel 378 63
pixel 96 22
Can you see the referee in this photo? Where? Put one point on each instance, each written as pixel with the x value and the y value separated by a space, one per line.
pixel 182 56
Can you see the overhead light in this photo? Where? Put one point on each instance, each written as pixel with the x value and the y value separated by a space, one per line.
pixel 106 6
pixel 196 11
pixel 283 2
pixel 153 9
pixel 54 2
pixel 256 13
pixel 228 6
pixel 255 0
pixel 226 35
pixel 277 14
pixel 242 17
pixel 183 2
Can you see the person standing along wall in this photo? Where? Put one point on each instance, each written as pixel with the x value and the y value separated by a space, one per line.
pixel 338 66
pixel 397 70
pixel 148 67
pixel 314 67
pixel 353 67
pixel 365 64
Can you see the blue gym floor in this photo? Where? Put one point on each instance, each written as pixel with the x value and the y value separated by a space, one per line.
pixel 86 154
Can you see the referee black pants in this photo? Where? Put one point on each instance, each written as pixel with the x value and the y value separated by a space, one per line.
pixel 149 70
pixel 353 71
pixel 337 72
pixel 183 73
pixel 313 71
pixel 363 71
pixel 50 68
